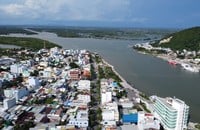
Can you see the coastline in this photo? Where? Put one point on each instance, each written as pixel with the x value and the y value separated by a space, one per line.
pixel 168 59
pixel 124 83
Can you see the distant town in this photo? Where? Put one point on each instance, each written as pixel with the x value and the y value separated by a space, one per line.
pixel 189 60
pixel 77 89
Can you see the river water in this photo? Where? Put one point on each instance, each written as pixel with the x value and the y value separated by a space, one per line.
pixel 150 75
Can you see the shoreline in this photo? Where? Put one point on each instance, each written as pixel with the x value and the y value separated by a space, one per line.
pixel 168 59
pixel 126 85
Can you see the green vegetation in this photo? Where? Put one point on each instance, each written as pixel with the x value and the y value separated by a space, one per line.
pixel 197 126
pixel 98 59
pixel 109 73
pixel 92 72
pixel 137 107
pixel 5 30
pixel 107 33
pixel 73 65
pixel 24 126
pixel 188 39
pixel 101 73
pixel 49 100
pixel 31 43
pixel 144 96
pixel 145 108
pixel 121 94
pixel 13 53
pixel 95 111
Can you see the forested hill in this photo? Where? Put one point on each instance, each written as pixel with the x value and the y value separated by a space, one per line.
pixel 188 39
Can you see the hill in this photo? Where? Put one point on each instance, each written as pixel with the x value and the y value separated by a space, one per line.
pixel 188 39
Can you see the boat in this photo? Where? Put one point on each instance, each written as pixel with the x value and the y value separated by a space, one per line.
pixel 172 62
pixel 189 67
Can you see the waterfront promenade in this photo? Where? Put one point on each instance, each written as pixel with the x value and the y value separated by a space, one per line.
pixel 132 92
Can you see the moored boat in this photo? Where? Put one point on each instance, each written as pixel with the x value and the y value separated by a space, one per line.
pixel 172 62
pixel 189 67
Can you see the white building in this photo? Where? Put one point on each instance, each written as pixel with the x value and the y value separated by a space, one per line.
pixel 43 64
pixel 47 73
pixel 108 115
pixel 84 85
pixel 110 112
pixel 8 93
pixel 106 92
pixel 17 68
pixel 17 93
pixel 126 103
pixel 20 93
pixel 172 113
pixel 106 97
pixel 33 82
pixel 81 119
pixel 85 98
pixel 146 121
pixel 9 102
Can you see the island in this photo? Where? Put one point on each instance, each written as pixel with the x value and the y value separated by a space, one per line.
pixel 181 48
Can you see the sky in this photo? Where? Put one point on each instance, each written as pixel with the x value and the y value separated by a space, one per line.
pixel 103 13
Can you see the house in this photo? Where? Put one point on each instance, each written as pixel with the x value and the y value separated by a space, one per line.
pixel 110 112
pixel 81 119
pixel 84 85
pixel 147 121
pixel 74 74
pixel 17 68
pixel 126 103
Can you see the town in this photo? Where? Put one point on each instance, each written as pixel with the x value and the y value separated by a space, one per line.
pixel 60 89
pixel 189 60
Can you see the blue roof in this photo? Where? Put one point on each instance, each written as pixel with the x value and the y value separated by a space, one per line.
pixel 130 118
pixel 115 84
pixel 67 103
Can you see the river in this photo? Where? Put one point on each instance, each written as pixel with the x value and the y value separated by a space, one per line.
pixel 150 75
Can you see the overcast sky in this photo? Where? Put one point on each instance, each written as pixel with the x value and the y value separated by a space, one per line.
pixel 114 13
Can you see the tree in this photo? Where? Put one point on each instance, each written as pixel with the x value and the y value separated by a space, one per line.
pixel 73 65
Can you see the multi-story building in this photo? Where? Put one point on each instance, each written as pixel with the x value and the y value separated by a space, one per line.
pixel 33 82
pixel 74 74
pixel 9 102
pixel 172 113
pixel 106 97
pixel 18 93
pixel 17 68
pixel 84 85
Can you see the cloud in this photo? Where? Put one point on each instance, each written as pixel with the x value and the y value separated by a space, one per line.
pixel 66 10
pixel 13 9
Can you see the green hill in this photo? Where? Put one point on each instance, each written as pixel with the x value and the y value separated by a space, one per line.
pixel 188 39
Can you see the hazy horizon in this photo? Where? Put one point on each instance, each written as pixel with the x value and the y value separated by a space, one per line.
pixel 98 13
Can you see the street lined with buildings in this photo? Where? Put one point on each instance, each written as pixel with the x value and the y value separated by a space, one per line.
pixel 77 89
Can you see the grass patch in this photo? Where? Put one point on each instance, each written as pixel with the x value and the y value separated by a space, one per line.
pixel 31 43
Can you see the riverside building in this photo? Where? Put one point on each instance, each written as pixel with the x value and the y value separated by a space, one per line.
pixel 172 113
